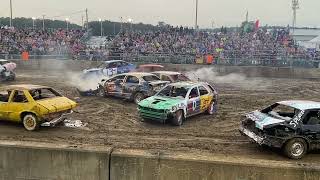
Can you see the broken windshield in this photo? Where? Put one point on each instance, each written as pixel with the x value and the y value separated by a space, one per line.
pixel 281 111
pixel 173 91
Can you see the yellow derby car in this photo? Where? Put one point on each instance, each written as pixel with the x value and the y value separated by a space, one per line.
pixel 34 106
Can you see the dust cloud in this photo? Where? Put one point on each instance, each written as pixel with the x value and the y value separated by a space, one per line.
pixel 236 79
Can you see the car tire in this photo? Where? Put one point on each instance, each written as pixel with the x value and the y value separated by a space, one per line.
pixel 30 122
pixel 212 108
pixel 138 97
pixel 101 92
pixel 178 118
pixel 295 148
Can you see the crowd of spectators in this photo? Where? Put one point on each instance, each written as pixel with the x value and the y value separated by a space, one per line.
pixel 268 43
pixel 40 42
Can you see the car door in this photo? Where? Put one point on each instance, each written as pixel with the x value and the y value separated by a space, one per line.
pixel 193 102
pixel 4 101
pixel 130 85
pixel 123 67
pixel 18 103
pixel 111 69
pixel 311 125
pixel 205 98
pixel 114 85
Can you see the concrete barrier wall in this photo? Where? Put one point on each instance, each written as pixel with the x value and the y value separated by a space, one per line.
pixel 141 165
pixel 36 161
pixel 48 162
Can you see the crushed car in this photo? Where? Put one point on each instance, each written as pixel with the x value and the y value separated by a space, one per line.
pixel 132 86
pixel 34 106
pixel 293 126
pixel 106 70
pixel 171 76
pixel 178 101
pixel 7 70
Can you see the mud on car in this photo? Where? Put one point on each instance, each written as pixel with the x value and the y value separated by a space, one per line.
pixel 178 101
pixel 131 86
pixel 34 106
pixel 293 126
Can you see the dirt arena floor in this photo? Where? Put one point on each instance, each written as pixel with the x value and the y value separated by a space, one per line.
pixel 115 122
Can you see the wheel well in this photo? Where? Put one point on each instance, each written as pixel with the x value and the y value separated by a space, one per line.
pixel 25 113
pixel 303 138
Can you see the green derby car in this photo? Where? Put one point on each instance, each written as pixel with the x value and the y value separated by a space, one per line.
pixel 180 100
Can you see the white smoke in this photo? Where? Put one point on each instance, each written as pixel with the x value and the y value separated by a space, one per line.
pixel 236 79
pixel 75 80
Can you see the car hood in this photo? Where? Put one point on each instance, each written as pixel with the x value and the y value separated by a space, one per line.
pixel 92 70
pixel 157 102
pixel 263 120
pixel 57 104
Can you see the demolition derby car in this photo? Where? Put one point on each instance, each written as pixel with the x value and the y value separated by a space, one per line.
pixel 7 70
pixel 149 68
pixel 180 100
pixel 109 68
pixel 132 86
pixel 293 126
pixel 171 76
pixel 34 106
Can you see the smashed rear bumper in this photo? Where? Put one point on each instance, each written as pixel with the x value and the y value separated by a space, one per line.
pixel 58 120
pixel 271 141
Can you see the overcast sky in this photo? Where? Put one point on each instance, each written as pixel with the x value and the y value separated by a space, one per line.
pixel 176 12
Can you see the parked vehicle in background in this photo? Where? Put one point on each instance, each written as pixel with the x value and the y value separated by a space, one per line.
pixel 7 70
pixel 293 126
pixel 178 101
pixel 131 86
pixel 34 106
pixel 171 76
pixel 149 68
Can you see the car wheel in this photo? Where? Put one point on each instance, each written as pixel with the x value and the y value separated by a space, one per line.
pixel 296 148
pixel 178 118
pixel 102 92
pixel 211 109
pixel 30 122
pixel 138 97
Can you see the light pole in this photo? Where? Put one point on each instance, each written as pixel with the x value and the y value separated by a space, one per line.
pixel 43 22
pixel 67 21
pixel 196 26
pixel 10 13
pixel 33 20
pixel 100 20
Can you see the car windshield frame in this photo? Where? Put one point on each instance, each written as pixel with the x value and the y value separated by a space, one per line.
pixel 33 95
pixel 161 92
pixel 280 115
pixel 156 78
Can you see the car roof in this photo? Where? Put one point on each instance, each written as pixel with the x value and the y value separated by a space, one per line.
pixel 186 84
pixel 113 61
pixel 167 72
pixel 22 87
pixel 138 74
pixel 301 104
pixel 151 65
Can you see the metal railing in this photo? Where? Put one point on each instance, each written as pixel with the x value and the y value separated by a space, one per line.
pixel 232 58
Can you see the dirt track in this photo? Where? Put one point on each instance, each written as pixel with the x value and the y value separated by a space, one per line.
pixel 114 122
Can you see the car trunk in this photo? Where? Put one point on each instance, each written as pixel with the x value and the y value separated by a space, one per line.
pixel 57 104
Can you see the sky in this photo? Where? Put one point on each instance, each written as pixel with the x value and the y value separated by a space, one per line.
pixel 212 13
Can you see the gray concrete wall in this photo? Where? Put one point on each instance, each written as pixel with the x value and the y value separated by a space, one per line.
pixel 249 71
pixel 19 161
pixel 39 161
pixel 141 165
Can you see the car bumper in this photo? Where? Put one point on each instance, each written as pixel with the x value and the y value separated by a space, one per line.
pixel 154 116
pixel 56 121
pixel 270 141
